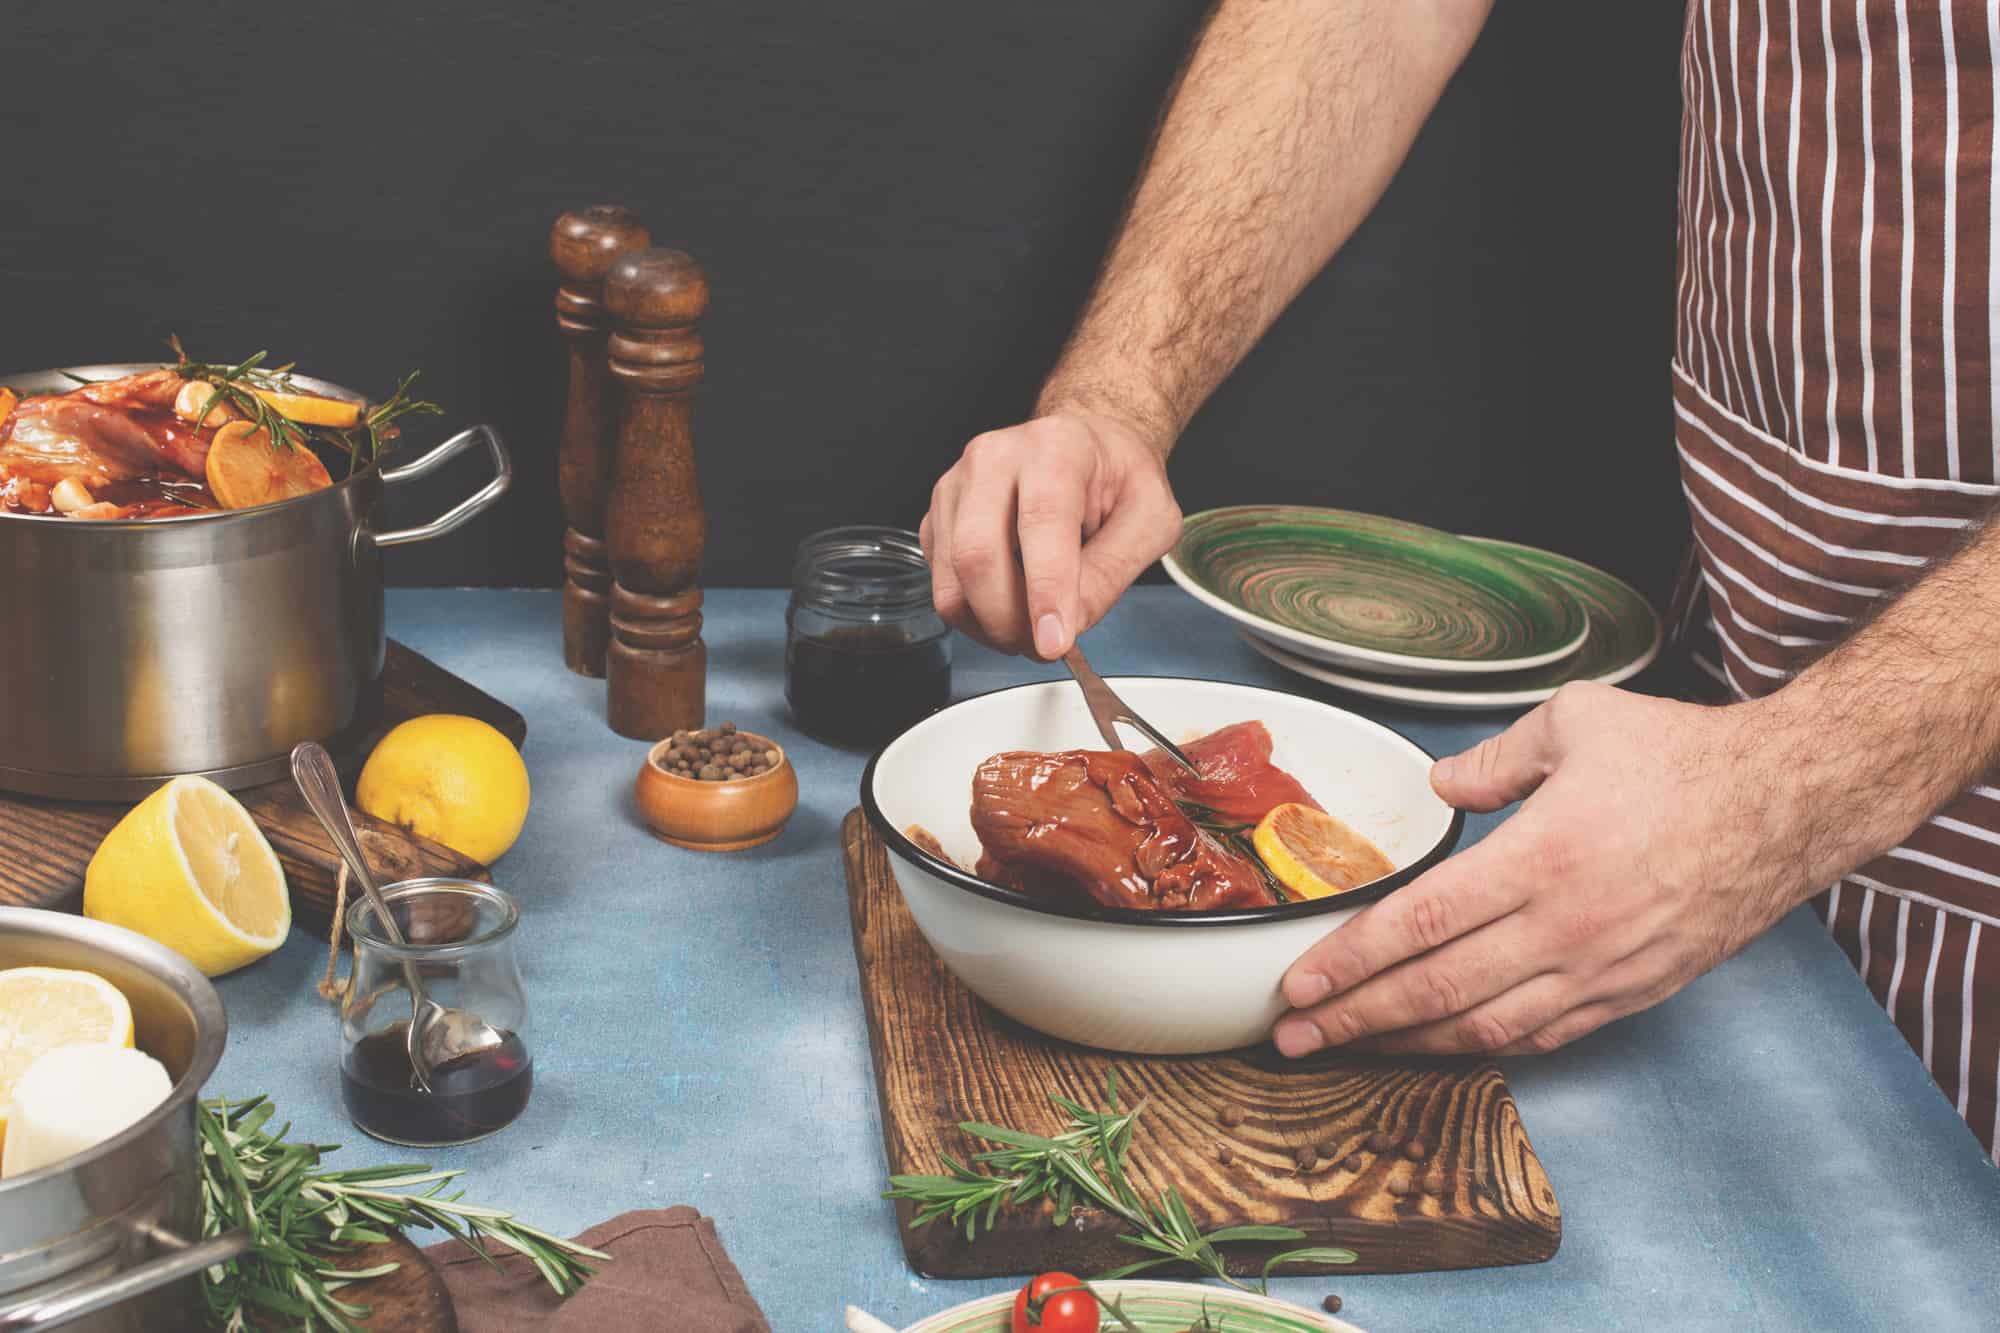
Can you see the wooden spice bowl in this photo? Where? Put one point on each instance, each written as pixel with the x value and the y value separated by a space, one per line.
pixel 724 816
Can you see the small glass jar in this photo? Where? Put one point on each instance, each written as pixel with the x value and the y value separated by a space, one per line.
pixel 865 651
pixel 459 944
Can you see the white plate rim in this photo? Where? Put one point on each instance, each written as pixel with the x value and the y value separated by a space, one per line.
pixel 1436 697
pixel 1335 653
pixel 1000 1300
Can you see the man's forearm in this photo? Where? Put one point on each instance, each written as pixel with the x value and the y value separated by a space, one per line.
pixel 1893 723
pixel 1284 129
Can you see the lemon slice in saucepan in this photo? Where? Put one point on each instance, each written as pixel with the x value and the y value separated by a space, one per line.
pixel 312 409
pixel 190 869
pixel 245 468
pixel 1315 855
pixel 45 1008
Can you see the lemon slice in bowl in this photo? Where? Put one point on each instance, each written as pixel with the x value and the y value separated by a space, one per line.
pixel 1315 855
pixel 189 868
pixel 45 1008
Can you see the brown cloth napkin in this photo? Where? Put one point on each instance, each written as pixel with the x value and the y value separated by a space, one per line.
pixel 668 1271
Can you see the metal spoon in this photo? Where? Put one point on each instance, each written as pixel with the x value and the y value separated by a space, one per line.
pixel 1107 710
pixel 437 1033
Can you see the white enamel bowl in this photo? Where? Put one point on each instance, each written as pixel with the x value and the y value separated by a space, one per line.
pixel 1149 982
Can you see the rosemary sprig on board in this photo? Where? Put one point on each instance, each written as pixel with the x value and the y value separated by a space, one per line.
pixel 1085 1162
pixel 1235 835
pixel 365 443
pixel 302 1220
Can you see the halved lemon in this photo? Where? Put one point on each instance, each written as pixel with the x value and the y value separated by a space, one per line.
pixel 189 867
pixel 245 469
pixel 45 1008
pixel 312 409
pixel 1315 855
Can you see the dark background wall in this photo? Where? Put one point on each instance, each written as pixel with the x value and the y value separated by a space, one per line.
pixel 900 205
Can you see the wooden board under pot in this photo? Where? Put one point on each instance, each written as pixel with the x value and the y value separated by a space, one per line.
pixel 46 844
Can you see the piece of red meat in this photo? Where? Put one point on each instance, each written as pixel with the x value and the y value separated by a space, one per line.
pixel 1101 821
pixel 1238 780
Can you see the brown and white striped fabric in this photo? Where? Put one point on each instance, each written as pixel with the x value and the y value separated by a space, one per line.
pixel 1838 416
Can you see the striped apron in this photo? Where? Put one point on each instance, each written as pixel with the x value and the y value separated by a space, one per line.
pixel 1837 414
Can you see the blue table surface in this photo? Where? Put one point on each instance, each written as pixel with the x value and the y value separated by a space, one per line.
pixel 1761 1151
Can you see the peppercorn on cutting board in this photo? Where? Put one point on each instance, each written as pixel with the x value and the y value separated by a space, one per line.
pixel 45 844
pixel 1415 1166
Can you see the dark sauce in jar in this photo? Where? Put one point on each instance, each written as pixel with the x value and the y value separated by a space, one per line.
pixel 864 683
pixel 865 653
pixel 471 1096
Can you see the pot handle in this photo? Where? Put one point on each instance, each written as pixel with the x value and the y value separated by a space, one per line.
pixel 180 1261
pixel 503 473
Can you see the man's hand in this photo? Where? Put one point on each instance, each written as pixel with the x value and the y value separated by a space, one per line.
pixel 1657 839
pixel 1037 529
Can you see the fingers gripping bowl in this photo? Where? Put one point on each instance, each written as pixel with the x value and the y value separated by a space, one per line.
pixel 1130 980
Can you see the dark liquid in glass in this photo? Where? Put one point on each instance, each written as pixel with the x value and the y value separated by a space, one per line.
pixel 471 1097
pixel 864 684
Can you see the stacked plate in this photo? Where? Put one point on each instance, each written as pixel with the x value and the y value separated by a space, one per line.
pixel 1398 611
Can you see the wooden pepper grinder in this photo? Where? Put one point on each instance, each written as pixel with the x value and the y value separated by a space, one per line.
pixel 657 666
pixel 583 243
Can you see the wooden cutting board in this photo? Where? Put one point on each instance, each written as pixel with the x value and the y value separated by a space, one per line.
pixel 45 844
pixel 413 1299
pixel 1450 1183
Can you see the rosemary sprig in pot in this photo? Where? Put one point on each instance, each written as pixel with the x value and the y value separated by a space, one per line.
pixel 364 443
pixel 1085 1163
pixel 301 1220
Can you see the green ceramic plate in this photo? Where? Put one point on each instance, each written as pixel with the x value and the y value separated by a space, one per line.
pixel 1361 592
pixel 1624 640
pixel 1156 1307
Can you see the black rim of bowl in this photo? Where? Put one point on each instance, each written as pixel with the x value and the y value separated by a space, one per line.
pixel 903 846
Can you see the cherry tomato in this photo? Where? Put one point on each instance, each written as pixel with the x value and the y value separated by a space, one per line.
pixel 1068 1312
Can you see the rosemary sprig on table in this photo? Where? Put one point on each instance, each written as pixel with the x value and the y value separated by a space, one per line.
pixel 1085 1163
pixel 363 444
pixel 301 1220
pixel 1235 835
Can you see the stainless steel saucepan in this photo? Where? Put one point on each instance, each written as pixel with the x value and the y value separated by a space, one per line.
pixel 110 1240
pixel 132 651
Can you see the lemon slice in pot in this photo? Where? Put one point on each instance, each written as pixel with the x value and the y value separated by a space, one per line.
pixel 189 868
pixel 1315 855
pixel 312 409
pixel 45 1008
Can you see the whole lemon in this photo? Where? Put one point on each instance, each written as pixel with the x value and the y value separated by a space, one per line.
pixel 452 779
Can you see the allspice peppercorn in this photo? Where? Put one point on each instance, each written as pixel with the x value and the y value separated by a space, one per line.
pixel 1416 1150
pixel 1398 1184
pixel 719 754
pixel 1306 1157
pixel 1380 1142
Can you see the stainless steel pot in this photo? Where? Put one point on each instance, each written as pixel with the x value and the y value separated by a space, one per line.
pixel 109 1241
pixel 134 651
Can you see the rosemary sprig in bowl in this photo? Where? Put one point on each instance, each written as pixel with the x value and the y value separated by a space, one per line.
pixel 301 1220
pixel 1085 1163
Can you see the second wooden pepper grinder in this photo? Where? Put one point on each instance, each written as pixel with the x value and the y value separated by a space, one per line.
pixel 657 666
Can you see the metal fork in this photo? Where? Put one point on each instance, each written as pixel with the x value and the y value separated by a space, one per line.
pixel 1107 710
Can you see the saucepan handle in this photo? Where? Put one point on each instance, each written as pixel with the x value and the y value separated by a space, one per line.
pixel 181 1260
pixel 503 473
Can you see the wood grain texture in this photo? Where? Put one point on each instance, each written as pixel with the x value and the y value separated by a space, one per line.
pixel 656 667
pixel 583 244
pixel 45 845
pixel 1414 1166
pixel 413 1299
